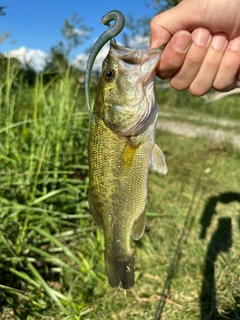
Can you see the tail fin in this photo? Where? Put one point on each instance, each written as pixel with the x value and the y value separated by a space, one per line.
pixel 120 271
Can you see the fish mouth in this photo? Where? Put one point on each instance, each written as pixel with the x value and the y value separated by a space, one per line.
pixel 132 117
pixel 146 60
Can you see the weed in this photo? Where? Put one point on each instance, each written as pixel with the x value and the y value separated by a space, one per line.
pixel 52 262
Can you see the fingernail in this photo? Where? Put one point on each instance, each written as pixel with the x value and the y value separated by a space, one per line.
pixel 153 45
pixel 234 44
pixel 182 42
pixel 201 37
pixel 219 41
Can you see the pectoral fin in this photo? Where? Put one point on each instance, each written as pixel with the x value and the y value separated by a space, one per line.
pixel 139 226
pixel 157 162
pixel 94 213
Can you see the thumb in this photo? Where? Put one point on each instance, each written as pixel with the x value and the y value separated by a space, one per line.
pixel 164 25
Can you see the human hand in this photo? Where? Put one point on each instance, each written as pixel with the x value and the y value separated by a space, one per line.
pixel 203 51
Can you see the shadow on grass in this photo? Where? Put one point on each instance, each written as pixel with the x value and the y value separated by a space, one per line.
pixel 15 306
pixel 221 241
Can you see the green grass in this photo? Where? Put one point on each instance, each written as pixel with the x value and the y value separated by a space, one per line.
pixel 43 193
pixel 184 101
pixel 52 262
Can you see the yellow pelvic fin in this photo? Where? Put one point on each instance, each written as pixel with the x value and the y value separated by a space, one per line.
pixel 128 154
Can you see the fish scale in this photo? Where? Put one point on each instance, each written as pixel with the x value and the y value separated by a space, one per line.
pixel 122 148
pixel 114 190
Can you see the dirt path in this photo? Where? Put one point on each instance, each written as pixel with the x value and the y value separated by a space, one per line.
pixel 193 131
pixel 219 95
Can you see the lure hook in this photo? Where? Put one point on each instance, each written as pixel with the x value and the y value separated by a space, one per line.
pixel 107 35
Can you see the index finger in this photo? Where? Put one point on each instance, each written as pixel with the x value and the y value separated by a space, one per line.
pixel 174 54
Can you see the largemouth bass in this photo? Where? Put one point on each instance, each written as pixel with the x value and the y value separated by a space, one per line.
pixel 121 152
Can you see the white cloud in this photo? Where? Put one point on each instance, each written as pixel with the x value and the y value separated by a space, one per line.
pixel 34 57
pixel 138 42
pixel 81 60
pixel 135 43
pixel 80 32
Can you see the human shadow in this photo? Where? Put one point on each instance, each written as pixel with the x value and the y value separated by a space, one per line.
pixel 221 241
pixel 210 209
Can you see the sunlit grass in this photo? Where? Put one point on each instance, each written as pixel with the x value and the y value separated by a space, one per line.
pixel 52 261
pixel 43 194
pixel 169 200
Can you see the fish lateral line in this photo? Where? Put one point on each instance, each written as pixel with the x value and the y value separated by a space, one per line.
pixel 122 149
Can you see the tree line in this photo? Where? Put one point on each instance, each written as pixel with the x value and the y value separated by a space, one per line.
pixel 74 34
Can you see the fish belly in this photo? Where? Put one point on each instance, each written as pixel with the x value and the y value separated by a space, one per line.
pixel 117 194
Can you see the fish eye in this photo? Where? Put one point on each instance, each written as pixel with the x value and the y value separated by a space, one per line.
pixel 109 74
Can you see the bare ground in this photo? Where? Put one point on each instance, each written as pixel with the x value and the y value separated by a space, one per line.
pixel 193 131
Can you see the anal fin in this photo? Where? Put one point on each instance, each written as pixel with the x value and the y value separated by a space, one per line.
pixel 139 226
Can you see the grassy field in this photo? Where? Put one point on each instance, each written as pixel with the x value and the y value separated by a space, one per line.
pixel 52 263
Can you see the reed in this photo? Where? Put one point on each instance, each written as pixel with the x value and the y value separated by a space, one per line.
pixel 43 191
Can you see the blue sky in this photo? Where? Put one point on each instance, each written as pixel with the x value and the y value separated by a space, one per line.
pixel 35 25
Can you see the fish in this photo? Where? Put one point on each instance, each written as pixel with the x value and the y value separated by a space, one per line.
pixel 121 151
